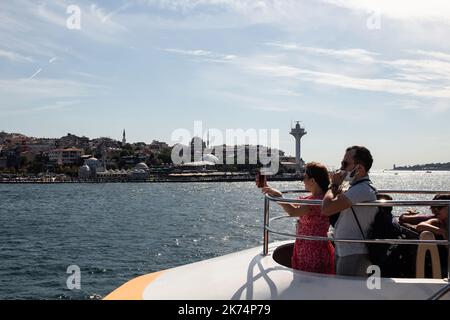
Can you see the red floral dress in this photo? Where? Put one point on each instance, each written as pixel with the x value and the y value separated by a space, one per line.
pixel 309 255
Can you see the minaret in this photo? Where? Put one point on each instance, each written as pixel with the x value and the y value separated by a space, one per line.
pixel 104 157
pixel 298 132
pixel 124 140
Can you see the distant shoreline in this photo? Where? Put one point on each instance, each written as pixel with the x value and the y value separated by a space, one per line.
pixel 425 170
pixel 185 180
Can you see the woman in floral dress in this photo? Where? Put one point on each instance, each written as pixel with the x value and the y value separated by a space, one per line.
pixel 310 255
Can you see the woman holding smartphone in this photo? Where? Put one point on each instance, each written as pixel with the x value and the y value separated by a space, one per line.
pixel 309 255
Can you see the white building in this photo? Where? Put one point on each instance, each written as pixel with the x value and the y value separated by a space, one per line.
pixel 68 156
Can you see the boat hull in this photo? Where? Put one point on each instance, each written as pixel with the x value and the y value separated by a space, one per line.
pixel 248 275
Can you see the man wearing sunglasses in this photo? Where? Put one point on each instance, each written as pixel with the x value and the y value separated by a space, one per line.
pixel 436 223
pixel 352 259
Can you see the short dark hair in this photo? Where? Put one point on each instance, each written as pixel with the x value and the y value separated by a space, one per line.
pixel 441 197
pixel 362 156
pixel 320 174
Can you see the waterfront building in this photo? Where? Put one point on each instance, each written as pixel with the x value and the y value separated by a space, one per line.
pixel 142 166
pixel 100 144
pixel 71 140
pixel 196 166
pixel 112 175
pixel 17 139
pixel 288 163
pixel 84 172
pixel 133 160
pixel 157 146
pixel 211 159
pixel 69 156
pixel 39 147
pixel 3 162
pixel 28 155
pixel 92 163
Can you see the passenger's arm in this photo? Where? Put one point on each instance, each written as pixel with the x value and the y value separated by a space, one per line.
pixel 412 218
pixel 332 205
pixel 410 226
pixel 290 209
pixel 296 211
pixel 433 226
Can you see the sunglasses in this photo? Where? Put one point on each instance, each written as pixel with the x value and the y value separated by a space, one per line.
pixel 344 164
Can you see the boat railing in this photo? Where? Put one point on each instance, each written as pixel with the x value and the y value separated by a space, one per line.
pixel 378 203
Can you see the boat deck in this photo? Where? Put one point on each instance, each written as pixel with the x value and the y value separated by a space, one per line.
pixel 248 275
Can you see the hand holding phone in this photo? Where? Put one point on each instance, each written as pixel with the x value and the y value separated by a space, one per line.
pixel 261 180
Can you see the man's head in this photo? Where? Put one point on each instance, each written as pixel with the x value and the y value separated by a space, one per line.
pixel 357 159
pixel 441 212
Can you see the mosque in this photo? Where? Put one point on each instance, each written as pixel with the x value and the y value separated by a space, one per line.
pixel 94 169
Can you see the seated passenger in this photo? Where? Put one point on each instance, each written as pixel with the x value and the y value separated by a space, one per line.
pixel 411 219
pixel 310 255
pixel 439 224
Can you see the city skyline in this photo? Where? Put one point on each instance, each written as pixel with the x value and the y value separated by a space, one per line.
pixel 373 73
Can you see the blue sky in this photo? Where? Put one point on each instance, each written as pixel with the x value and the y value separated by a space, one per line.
pixel 375 73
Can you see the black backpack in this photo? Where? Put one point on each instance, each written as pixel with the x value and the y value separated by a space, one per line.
pixel 394 260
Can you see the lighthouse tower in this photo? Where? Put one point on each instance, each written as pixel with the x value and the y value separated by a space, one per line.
pixel 298 132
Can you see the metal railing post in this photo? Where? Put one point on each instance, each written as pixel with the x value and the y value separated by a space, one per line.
pixel 266 225
pixel 448 245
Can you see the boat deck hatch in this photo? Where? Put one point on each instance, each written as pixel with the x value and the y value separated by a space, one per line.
pixel 283 254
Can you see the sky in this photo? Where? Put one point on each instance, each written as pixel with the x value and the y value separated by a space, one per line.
pixel 354 72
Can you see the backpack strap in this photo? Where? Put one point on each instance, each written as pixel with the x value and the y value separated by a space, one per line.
pixel 353 210
pixel 359 225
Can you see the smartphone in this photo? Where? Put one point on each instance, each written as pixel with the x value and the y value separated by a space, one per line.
pixel 261 180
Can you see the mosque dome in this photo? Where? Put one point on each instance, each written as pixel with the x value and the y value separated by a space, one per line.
pixel 84 172
pixel 211 158
pixel 85 168
pixel 141 166
pixel 91 161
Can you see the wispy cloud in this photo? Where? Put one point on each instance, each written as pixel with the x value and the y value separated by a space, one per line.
pixel 60 105
pixel 203 53
pixel 382 85
pixel 91 77
pixel 352 54
pixel 399 9
pixel 104 16
pixel 421 70
pixel 408 77
pixel 14 56
pixel 45 88
pixel 432 54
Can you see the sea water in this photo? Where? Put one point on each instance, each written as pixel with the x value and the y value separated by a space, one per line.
pixel 117 231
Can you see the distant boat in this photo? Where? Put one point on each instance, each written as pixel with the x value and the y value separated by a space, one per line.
pixel 428 171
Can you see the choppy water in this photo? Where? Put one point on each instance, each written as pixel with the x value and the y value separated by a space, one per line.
pixel 115 232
